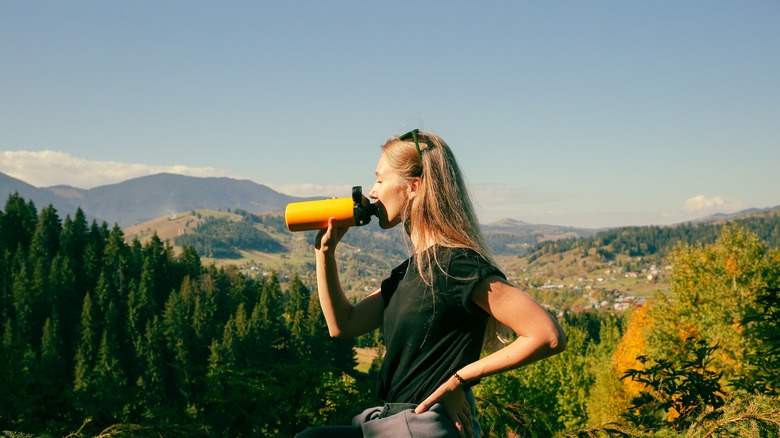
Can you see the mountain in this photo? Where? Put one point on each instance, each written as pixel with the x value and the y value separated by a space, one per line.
pixel 511 236
pixel 542 232
pixel 41 197
pixel 146 198
pixel 149 197
pixel 724 217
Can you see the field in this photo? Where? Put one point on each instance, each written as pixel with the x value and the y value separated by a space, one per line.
pixel 365 357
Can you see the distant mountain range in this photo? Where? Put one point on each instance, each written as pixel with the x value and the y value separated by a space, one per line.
pixel 725 217
pixel 147 198
pixel 150 197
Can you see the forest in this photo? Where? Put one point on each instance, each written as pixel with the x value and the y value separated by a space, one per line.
pixel 659 241
pixel 105 337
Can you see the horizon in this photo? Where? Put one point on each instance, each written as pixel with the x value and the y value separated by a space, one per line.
pixel 589 115
pixel 495 222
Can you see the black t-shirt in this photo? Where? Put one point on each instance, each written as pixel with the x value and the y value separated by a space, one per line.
pixel 429 334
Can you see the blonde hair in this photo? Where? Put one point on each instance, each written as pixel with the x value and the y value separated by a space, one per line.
pixel 442 211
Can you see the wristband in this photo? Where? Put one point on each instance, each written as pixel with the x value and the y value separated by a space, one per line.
pixel 463 383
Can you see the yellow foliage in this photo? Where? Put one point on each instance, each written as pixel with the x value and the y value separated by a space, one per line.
pixel 687 330
pixel 632 345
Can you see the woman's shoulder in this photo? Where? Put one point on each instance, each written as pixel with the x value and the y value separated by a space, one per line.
pixel 458 257
pixel 452 252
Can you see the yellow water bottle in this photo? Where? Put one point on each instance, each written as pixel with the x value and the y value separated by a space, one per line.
pixel 314 215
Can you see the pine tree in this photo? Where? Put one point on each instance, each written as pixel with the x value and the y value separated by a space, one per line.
pixel 23 305
pixel 189 260
pixel 108 390
pixel 86 347
pixel 151 355
pixel 297 313
pixel 140 309
pixel 46 238
pixel 73 241
pixel 157 265
pixel 65 298
pixel 317 332
pixel 51 356
pixel 118 277
pixel 17 223
pixel 271 310
pixel 325 351
pixel 93 254
pixel 207 321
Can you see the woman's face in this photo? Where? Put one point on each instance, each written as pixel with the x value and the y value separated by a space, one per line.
pixel 390 194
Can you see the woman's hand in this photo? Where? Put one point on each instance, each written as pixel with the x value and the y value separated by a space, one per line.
pixel 328 238
pixel 451 395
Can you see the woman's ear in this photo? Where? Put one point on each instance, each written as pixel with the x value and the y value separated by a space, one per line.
pixel 414 185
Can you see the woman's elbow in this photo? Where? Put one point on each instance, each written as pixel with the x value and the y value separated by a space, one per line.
pixel 340 333
pixel 336 333
pixel 557 342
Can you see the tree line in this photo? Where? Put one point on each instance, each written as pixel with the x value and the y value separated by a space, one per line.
pixel 660 241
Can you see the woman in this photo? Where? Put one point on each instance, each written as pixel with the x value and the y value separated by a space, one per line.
pixel 437 306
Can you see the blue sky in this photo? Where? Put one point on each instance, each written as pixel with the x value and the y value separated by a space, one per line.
pixel 590 114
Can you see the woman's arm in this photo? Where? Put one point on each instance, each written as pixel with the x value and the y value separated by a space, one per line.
pixel 344 319
pixel 538 336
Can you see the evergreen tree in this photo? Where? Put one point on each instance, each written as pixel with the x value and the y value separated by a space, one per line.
pixel 158 266
pixel 93 254
pixel 177 332
pixel 205 312
pixel 107 392
pixel 271 309
pixel 190 262
pixel 73 242
pixel 50 377
pixel 152 382
pixel 297 313
pixel 17 223
pixel 317 333
pixel 66 300
pixel 46 238
pixel 86 348
pixel 52 354
pixel 326 352
pixel 23 305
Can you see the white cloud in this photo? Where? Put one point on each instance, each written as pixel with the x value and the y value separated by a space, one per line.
pixel 50 168
pixel 703 203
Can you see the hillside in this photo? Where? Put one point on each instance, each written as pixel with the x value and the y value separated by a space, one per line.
pixel 622 266
pixel 512 237
pixel 367 253
pixel 564 268
pixel 561 280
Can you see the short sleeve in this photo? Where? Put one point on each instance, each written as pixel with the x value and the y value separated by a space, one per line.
pixel 466 269
pixel 390 284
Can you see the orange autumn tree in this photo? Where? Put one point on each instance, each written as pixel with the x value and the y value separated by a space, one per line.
pixel 610 396
pixel 632 345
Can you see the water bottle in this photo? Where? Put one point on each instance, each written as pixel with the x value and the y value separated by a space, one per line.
pixel 314 215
